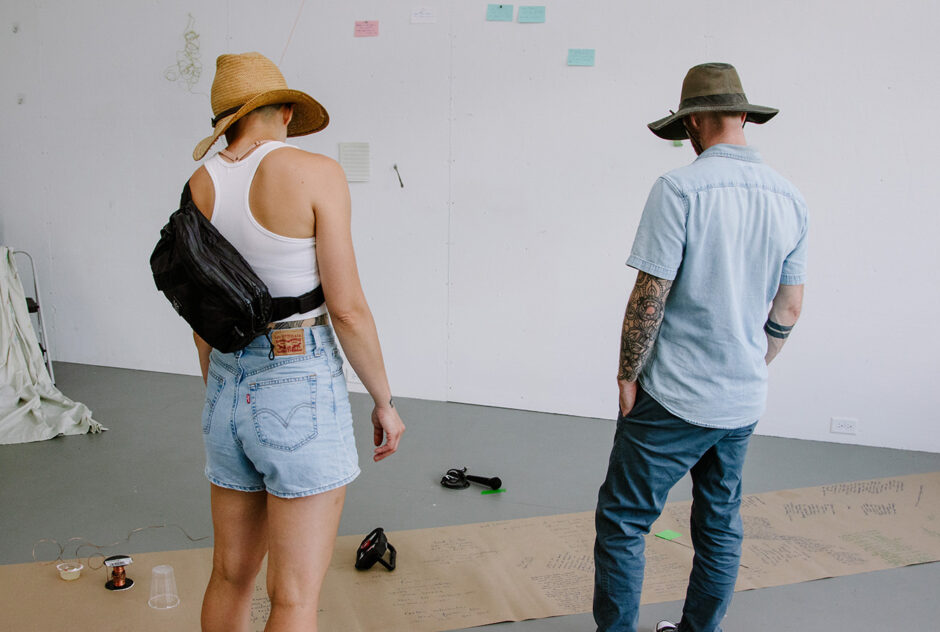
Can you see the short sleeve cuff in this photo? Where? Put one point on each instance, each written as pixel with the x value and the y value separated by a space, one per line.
pixel 661 272
pixel 792 279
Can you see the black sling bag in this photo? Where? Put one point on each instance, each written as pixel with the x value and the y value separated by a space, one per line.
pixel 211 285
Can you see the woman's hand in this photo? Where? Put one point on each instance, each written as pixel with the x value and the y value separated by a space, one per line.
pixel 388 426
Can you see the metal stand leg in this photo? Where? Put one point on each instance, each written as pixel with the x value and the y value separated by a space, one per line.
pixel 34 306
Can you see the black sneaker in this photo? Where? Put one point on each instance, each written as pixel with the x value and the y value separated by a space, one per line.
pixel 665 626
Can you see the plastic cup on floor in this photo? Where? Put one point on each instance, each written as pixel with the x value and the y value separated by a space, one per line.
pixel 163 593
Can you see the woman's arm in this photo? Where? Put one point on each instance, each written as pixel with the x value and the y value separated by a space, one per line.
pixel 349 311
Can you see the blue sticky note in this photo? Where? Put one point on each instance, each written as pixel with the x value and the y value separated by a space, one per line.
pixel 531 15
pixel 499 13
pixel 580 56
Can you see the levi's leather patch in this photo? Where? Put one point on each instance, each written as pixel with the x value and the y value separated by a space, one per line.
pixel 288 342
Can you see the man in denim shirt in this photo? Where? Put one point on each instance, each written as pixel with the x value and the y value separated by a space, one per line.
pixel 719 242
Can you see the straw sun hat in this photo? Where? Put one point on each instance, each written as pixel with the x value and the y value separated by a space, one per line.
pixel 249 81
pixel 710 88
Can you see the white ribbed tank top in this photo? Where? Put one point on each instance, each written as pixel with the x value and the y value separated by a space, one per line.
pixel 287 265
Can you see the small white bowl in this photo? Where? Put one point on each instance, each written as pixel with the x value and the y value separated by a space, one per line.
pixel 70 571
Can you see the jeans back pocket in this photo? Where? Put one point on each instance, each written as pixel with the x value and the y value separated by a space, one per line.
pixel 214 385
pixel 284 411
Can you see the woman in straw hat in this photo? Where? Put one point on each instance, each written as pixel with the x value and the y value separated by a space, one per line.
pixel 277 424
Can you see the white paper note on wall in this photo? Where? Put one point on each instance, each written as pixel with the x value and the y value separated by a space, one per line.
pixel 354 158
pixel 423 15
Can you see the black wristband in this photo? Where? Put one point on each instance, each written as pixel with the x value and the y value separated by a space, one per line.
pixel 776 330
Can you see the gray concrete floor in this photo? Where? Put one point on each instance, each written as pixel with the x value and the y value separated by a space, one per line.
pixel 147 469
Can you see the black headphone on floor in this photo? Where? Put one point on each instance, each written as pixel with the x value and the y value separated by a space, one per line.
pixel 372 550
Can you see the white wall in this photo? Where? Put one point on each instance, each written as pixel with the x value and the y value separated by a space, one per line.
pixel 496 275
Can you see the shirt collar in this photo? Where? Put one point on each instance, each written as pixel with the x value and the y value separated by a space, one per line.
pixel 739 152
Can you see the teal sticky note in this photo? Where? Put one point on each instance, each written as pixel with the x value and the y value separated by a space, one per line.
pixel 499 13
pixel 531 15
pixel 580 56
pixel 668 535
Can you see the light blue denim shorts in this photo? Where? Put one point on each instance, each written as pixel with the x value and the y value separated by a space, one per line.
pixel 280 425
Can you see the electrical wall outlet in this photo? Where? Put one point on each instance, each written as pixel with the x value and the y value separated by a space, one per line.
pixel 843 425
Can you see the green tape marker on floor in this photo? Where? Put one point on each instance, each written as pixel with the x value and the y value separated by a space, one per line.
pixel 492 491
pixel 668 535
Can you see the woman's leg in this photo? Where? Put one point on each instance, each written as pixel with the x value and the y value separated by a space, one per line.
pixel 301 535
pixel 239 525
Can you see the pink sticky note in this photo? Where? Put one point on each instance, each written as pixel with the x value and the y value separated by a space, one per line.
pixel 366 28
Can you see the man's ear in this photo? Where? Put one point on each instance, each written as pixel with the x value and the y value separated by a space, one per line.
pixel 288 113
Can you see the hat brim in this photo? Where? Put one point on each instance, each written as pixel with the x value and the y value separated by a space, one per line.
pixel 671 127
pixel 309 116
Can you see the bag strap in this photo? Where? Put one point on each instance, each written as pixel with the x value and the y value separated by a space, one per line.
pixel 284 306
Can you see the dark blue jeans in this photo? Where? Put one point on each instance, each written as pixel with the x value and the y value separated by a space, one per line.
pixel 652 450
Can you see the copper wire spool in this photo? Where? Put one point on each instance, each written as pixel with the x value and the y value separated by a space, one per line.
pixel 118 577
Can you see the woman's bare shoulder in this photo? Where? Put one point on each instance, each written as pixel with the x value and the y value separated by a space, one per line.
pixel 295 158
pixel 203 191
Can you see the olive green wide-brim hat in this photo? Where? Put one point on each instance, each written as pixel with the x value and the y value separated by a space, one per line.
pixel 249 81
pixel 709 88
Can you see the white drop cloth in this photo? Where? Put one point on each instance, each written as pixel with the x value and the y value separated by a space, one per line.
pixel 31 407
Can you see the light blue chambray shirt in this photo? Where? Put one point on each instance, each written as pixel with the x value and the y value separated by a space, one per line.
pixel 728 230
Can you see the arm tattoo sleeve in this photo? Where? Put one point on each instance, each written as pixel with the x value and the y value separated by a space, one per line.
pixel 641 324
